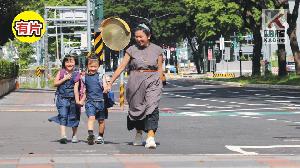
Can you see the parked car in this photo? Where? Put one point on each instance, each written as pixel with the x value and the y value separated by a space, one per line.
pixel 290 67
pixel 172 68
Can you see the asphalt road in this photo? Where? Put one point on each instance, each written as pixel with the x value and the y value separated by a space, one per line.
pixel 198 122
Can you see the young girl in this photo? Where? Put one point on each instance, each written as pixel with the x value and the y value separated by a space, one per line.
pixel 68 111
pixel 94 106
pixel 144 85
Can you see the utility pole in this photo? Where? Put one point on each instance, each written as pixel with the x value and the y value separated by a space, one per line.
pixel 89 47
pixel 47 67
pixel 98 43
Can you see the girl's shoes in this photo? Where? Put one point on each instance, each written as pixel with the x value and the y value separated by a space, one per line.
pixel 75 139
pixel 150 143
pixel 91 139
pixel 99 140
pixel 63 140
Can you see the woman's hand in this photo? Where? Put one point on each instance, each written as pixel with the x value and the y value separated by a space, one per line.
pixel 107 88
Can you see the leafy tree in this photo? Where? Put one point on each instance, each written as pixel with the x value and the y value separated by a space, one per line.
pixel 211 19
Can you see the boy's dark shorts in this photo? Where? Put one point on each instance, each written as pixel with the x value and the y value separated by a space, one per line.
pixel 96 108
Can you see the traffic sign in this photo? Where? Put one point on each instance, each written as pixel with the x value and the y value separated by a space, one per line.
pixel 168 54
pixel 209 54
pixel 39 71
pixel 227 54
pixel 222 43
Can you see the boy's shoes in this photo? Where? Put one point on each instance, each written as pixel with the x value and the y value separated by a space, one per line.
pixel 150 143
pixel 63 140
pixel 99 140
pixel 138 139
pixel 91 139
pixel 74 139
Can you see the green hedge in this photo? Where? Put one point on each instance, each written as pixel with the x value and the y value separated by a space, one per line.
pixel 8 69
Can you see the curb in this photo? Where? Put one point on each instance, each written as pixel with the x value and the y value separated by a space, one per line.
pixel 263 86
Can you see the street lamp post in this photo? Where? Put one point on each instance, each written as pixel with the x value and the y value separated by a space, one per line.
pixel 57 51
pixel 240 55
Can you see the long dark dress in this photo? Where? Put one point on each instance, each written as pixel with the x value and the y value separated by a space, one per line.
pixel 144 89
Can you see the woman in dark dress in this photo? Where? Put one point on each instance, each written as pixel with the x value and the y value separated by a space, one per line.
pixel 144 87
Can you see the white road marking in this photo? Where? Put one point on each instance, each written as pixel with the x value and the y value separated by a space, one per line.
pixel 249 90
pixel 255 117
pixel 249 113
pixel 236 92
pixel 232 102
pixel 255 90
pixel 270 108
pixel 196 105
pixel 197 98
pixel 291 140
pixel 239 149
pixel 257 104
pixel 288 97
pixel 223 101
pixel 193 114
pixel 204 93
pixel 194 88
pixel 213 100
pixel 272 119
pixel 218 107
pixel 233 105
pixel 291 92
pixel 278 101
pixel 292 108
pixel 212 90
pixel 210 111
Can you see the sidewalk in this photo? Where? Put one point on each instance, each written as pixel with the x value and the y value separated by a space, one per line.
pixel 37 100
pixel 148 161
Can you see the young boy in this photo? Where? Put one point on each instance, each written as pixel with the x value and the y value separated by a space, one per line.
pixel 94 105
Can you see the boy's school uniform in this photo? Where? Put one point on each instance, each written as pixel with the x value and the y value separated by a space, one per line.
pixel 97 102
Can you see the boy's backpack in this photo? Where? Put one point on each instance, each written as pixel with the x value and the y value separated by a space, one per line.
pixel 62 73
pixel 109 98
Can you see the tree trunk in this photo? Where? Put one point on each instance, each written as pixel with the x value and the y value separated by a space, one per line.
pixel 292 32
pixel 256 53
pixel 281 60
pixel 295 49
